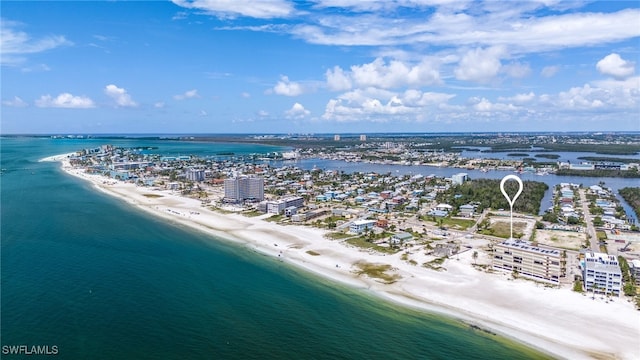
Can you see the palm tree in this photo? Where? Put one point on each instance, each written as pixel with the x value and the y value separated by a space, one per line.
pixel 475 256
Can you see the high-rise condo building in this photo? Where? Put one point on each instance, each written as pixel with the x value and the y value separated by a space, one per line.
pixel 239 189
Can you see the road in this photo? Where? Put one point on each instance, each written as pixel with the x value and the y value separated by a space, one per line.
pixel 591 230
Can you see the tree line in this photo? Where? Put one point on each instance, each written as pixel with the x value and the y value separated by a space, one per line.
pixel 632 196
pixel 486 193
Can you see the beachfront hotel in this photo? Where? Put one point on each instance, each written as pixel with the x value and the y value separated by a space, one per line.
pixel 533 262
pixel 601 273
pixel 243 188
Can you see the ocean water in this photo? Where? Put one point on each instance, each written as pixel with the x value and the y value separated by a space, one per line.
pixel 100 280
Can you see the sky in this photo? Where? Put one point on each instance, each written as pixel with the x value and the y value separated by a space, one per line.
pixel 318 66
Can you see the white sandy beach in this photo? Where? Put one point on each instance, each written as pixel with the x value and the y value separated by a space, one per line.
pixel 558 321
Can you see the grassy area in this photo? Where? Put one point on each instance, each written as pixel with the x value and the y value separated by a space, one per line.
pixel 338 235
pixel 312 253
pixel 502 229
pixel 376 271
pixel 153 196
pixel 361 242
pixel 252 213
pixel 275 218
pixel 461 224
pixel 577 286
pixel 435 264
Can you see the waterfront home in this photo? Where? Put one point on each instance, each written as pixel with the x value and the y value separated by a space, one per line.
pixel 401 238
pixel 359 226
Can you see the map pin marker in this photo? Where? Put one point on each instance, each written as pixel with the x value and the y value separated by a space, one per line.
pixel 509 200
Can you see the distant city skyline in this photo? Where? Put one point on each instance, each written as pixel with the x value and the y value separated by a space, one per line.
pixel 325 66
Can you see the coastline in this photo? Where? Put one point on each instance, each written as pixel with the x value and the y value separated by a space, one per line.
pixel 558 322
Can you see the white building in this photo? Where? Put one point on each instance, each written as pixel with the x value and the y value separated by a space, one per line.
pixel 195 174
pixel 602 274
pixel 243 188
pixel 634 267
pixel 279 206
pixel 534 262
pixel 459 178
pixel 359 226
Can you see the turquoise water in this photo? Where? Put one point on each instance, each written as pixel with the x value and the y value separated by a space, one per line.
pixel 100 280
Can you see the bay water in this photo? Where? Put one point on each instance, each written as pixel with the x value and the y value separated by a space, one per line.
pixel 98 279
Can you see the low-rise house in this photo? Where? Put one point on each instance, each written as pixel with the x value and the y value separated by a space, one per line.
pixel 359 226
pixel 467 210
pixel 401 238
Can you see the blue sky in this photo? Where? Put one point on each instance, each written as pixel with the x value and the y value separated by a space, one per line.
pixel 322 66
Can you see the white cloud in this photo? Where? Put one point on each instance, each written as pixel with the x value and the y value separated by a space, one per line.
pixel 263 113
pixel 65 100
pixel 486 106
pixel 480 65
pixel 337 79
pixel 245 95
pixel 476 24
pixel 15 44
pixel 519 98
pixel 516 70
pixel 234 8
pixel 613 65
pixel 203 113
pixel 191 94
pixel 380 105
pixel 120 96
pixel 15 102
pixel 549 71
pixel 297 111
pixel 380 74
pixel 287 88
pixel 159 105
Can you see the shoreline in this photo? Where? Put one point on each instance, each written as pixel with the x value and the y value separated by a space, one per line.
pixel 558 322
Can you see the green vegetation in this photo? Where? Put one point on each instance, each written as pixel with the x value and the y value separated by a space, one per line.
pixel 577 286
pixel 629 287
pixel 275 218
pixel 608 159
pixel 548 156
pixel 252 213
pixel 502 229
pixel 312 253
pixel 632 196
pixel 338 235
pixel 376 271
pixel 363 242
pixel 435 264
pixel 456 223
pixel 486 193
pixel 153 196
pixel 517 154
pixel 600 173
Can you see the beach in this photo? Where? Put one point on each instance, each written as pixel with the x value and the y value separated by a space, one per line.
pixel 557 321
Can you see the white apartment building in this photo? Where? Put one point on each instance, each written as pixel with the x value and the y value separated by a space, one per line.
pixel 601 273
pixel 533 262
pixel 243 188
pixel 278 206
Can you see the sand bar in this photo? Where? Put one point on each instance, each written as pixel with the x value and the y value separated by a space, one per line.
pixel 560 322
